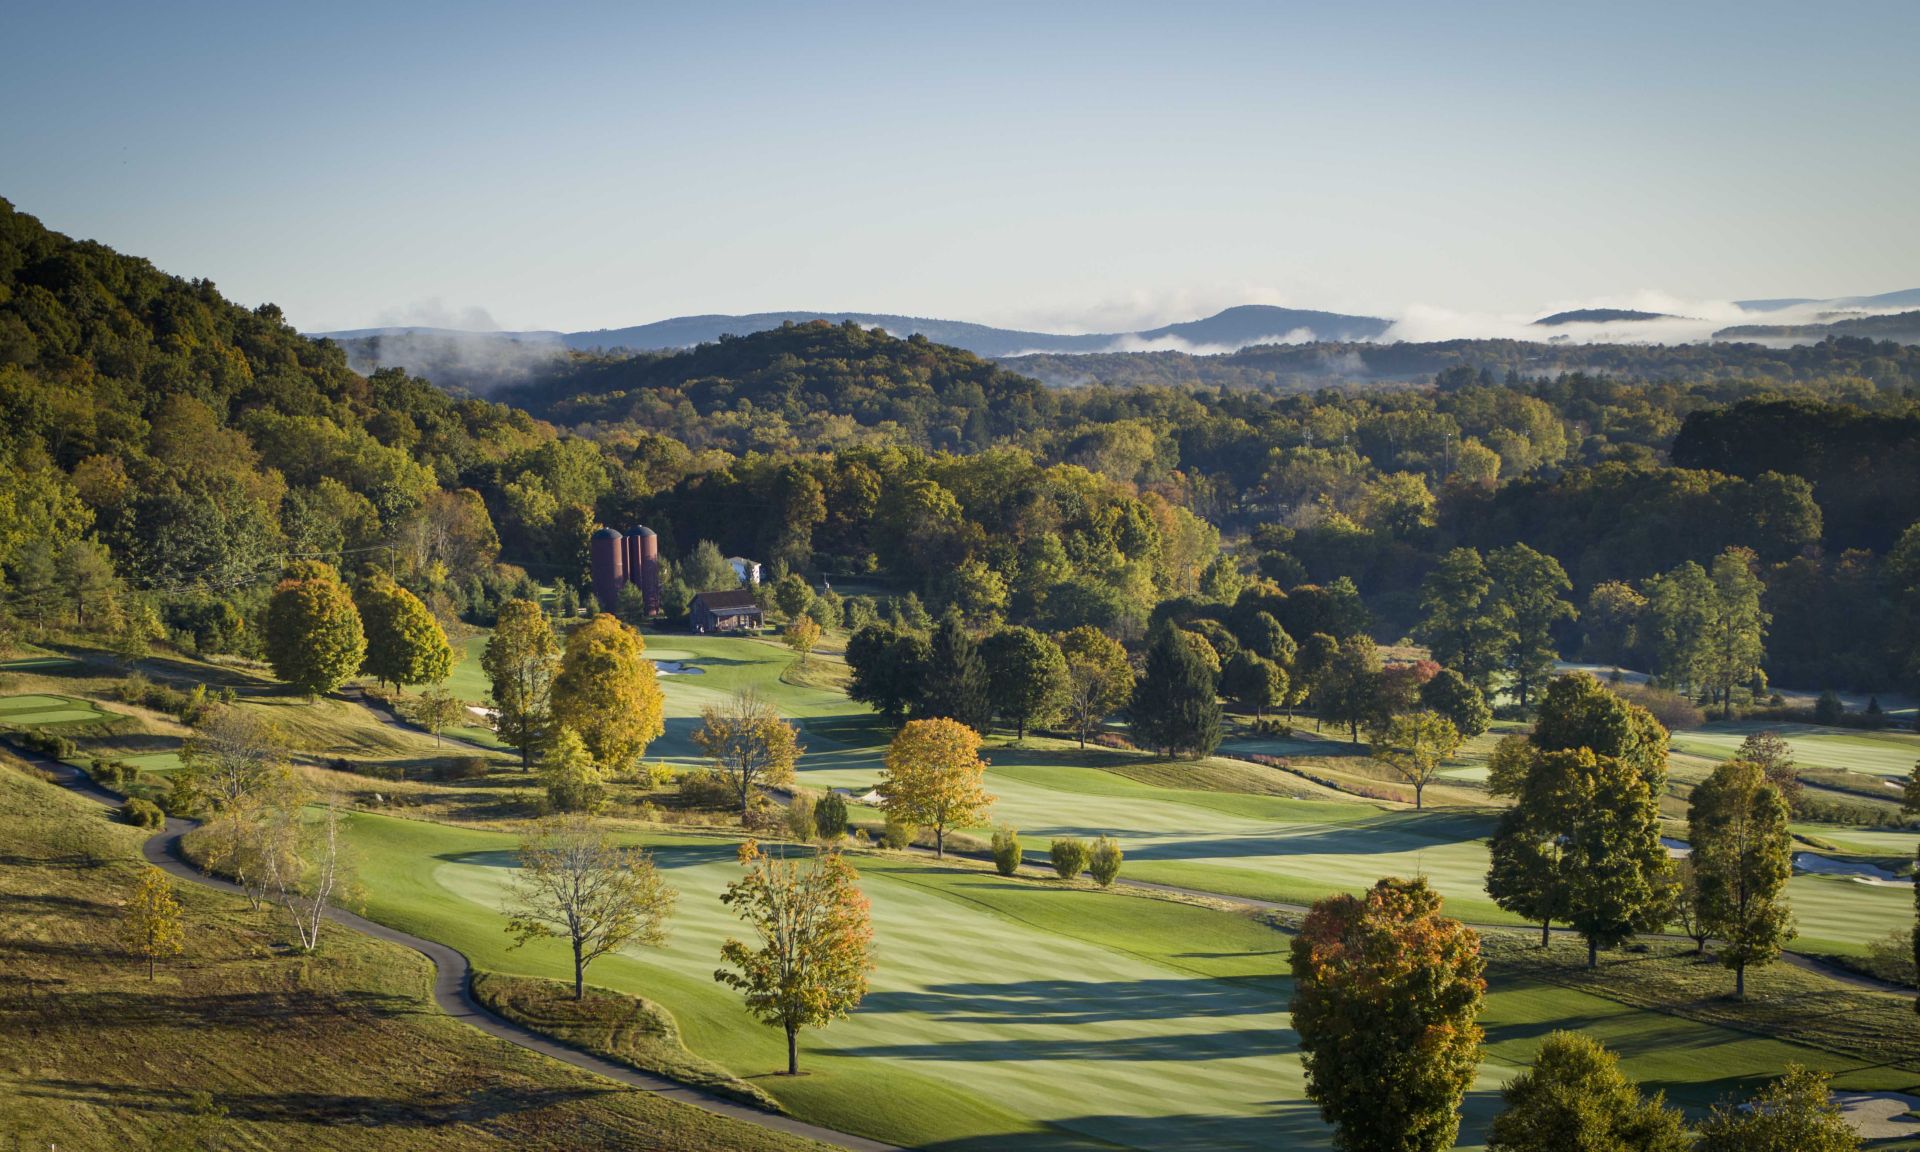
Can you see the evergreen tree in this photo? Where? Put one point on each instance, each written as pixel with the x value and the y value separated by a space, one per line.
pixel 314 639
pixel 1175 705
pixel 955 683
pixel 405 644
pixel 1742 860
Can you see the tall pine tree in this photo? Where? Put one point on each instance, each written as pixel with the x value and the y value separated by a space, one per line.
pixel 1176 706
pixel 955 683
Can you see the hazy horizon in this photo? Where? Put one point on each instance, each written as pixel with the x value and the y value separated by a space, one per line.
pixel 1067 168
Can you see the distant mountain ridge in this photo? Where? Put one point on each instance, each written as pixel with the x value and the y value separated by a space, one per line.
pixel 1233 328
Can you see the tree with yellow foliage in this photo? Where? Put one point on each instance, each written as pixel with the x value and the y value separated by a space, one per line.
pixel 152 927
pixel 609 692
pixel 935 778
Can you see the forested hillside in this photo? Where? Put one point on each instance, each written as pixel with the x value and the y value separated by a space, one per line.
pixel 166 452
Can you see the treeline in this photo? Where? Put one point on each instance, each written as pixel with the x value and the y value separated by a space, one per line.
pixel 161 441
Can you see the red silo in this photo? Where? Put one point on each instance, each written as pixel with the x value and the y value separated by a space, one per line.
pixel 607 551
pixel 650 569
pixel 632 544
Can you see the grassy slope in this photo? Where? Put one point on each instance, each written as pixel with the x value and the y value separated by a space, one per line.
pixel 1166 1019
pixel 343 1050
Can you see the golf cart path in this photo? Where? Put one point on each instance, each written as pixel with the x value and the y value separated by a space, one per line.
pixel 452 989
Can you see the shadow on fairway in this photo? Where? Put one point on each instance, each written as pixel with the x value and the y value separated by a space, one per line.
pixel 1188 1047
pixel 1284 1125
pixel 1338 840
pixel 1073 1002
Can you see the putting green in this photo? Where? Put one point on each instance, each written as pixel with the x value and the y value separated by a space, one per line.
pixel 35 710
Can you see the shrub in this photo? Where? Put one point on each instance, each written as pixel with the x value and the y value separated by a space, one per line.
pixel 117 775
pixel 460 768
pixel 1006 850
pixel 898 836
pixel 47 744
pixel 830 816
pixel 1114 740
pixel 654 775
pixel 1104 860
pixel 800 824
pixel 143 814
pixel 1673 710
pixel 1272 728
pixel 708 788
pixel 1069 856
pixel 1828 709
pixel 575 793
pixel 1891 957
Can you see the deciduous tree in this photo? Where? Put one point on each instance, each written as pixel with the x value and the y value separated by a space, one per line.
pixel 405 644
pixel 1099 678
pixel 935 778
pixel 314 639
pixel 1026 677
pixel 609 693
pixel 574 883
pixel 815 942
pixel 1742 860
pixel 1575 1099
pixel 1415 745
pixel 151 922
pixel 1465 626
pixel 1449 694
pixel 889 664
pixel 1795 1113
pixel 520 660
pixel 801 634
pixel 1527 587
pixel 749 742
pixel 1386 993
pixel 436 710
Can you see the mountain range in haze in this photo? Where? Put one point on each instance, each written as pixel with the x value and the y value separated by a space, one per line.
pixel 483 360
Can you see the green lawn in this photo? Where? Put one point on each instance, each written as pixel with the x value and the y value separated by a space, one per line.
pixel 993 996
pixel 1889 754
pixel 43 710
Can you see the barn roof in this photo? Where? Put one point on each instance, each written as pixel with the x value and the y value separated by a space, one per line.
pixel 715 601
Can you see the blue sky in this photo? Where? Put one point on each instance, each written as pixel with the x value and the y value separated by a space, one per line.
pixel 1056 165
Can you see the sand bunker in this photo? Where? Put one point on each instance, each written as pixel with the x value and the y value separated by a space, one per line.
pixel 1879 1115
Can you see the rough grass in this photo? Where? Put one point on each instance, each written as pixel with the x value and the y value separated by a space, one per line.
pixel 343 1050
pixel 627 1029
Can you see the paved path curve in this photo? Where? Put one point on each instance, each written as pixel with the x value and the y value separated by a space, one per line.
pixel 452 989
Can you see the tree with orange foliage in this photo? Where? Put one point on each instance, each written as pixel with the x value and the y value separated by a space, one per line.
pixel 816 942
pixel 1386 991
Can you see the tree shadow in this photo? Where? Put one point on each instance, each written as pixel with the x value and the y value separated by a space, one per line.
pixel 436 1109
pixel 1190 1047
pixel 1075 1002
pixel 1280 1124
pixel 106 1011
pixel 71 905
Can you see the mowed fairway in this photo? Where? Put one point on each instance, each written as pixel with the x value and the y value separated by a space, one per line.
pixel 1889 754
pixel 1022 1015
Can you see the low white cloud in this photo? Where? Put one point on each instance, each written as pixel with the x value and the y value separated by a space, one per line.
pixel 436 313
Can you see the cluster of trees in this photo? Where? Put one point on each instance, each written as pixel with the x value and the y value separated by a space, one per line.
pixel 1581 843
pixel 236 778
pixel 1387 995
